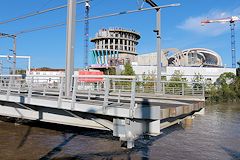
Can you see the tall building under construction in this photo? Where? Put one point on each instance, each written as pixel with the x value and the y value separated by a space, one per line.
pixel 115 46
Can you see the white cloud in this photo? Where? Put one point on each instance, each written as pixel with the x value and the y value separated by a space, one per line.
pixel 213 29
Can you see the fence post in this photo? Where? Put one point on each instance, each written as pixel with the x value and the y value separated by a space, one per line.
pixel 30 86
pixel 97 86
pixel 119 95
pixel 19 88
pixel 114 85
pixel 163 88
pixel 203 90
pixel 60 92
pixel 183 89
pixel 1 83
pixel 74 90
pixel 9 87
pixel 154 87
pixel 83 85
pixel 192 90
pixel 44 90
pixel 106 93
pixel 89 94
pixel 133 94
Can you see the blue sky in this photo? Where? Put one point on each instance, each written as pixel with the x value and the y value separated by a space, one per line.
pixel 180 27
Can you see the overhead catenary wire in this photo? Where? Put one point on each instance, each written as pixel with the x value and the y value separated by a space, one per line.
pixel 41 28
pixel 96 17
pixel 44 5
pixel 36 13
pixel 129 12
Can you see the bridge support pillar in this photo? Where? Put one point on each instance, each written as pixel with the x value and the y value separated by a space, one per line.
pixel 129 130
pixel 154 128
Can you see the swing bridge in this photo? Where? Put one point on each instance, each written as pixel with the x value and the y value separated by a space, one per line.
pixel 125 105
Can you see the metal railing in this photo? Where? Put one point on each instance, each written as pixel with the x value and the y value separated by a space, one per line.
pixel 104 89
pixel 183 88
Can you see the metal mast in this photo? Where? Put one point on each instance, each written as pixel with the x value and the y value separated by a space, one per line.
pixel 14 55
pixel 232 25
pixel 86 32
pixel 14 37
pixel 70 45
pixel 158 42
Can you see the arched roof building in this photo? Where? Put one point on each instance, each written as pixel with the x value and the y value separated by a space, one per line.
pixel 196 57
pixel 192 57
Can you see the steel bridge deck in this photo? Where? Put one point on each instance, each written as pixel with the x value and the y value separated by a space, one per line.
pixel 127 113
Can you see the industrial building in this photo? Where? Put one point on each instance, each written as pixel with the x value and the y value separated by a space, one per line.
pixel 114 46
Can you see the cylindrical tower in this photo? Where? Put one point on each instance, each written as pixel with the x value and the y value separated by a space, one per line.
pixel 115 46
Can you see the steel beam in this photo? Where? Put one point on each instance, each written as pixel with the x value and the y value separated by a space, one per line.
pixel 70 45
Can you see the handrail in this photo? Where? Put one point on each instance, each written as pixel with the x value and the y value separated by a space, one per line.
pixel 61 75
pixel 10 75
pixel 104 76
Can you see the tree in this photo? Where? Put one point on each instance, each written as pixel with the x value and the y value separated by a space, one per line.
pixel 176 77
pixel 21 71
pixel 238 69
pixel 225 78
pixel 149 82
pixel 198 81
pixel 225 88
pixel 128 70
pixel 112 71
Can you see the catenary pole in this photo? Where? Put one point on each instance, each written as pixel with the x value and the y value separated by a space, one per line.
pixel 159 55
pixel 70 45
pixel 14 54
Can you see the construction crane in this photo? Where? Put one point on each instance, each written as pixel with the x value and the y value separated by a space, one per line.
pixel 232 21
pixel 86 32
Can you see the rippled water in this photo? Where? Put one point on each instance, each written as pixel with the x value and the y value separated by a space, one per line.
pixel 215 135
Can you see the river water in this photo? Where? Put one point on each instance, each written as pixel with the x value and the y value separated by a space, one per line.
pixel 213 136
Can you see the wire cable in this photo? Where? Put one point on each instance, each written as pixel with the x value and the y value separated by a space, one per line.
pixel 44 5
pixel 36 13
pixel 96 17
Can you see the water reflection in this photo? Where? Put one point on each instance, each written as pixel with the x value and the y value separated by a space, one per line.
pixel 216 135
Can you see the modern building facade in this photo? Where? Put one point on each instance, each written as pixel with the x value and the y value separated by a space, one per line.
pixel 196 57
pixel 210 74
pixel 193 57
pixel 189 62
pixel 115 46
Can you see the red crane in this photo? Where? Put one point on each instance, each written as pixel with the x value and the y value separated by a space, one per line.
pixel 232 21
